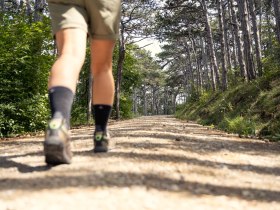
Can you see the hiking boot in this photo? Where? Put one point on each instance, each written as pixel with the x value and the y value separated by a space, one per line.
pixel 57 143
pixel 101 141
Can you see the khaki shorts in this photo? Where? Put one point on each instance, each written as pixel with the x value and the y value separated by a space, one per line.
pixel 99 18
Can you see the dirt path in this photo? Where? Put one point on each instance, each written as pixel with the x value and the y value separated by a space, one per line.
pixel 158 163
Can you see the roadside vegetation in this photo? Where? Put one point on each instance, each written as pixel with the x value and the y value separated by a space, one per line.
pixel 250 109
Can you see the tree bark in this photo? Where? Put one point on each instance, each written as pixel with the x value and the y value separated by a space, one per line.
pixel 223 48
pixel 89 110
pixel 277 18
pixel 244 17
pixel 165 103
pixel 210 41
pixel 28 8
pixel 145 113
pixel 153 99
pixel 189 68
pixel 38 10
pixel 119 72
pixel 225 32
pixel 198 66
pixel 2 5
pixel 205 65
pixel 241 59
pixel 135 110
pixel 234 48
pixel 256 34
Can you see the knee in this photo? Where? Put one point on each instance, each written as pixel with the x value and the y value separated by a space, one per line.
pixel 101 67
pixel 74 59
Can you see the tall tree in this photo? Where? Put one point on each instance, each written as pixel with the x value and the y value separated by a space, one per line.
pixel 223 47
pixel 210 42
pixel 135 23
pixel 244 18
pixel 233 37
pixel 258 53
pixel 277 18
pixel 39 6
pixel 240 52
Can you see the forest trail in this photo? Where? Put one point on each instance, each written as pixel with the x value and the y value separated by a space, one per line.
pixel 158 163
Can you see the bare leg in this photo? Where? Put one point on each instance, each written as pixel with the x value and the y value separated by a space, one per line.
pixel 101 66
pixel 71 44
pixel 103 90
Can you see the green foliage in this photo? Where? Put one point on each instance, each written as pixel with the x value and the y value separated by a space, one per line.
pixel 27 115
pixel 79 114
pixel 131 78
pixel 239 125
pixel 247 108
pixel 25 61
pixel 126 107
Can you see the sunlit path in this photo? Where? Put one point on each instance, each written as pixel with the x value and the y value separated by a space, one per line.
pixel 157 163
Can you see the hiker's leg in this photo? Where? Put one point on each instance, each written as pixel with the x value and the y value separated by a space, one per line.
pixel 101 67
pixel 103 90
pixel 71 45
pixel 103 82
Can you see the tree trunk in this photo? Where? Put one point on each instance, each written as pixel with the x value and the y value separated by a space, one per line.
pixel 165 103
pixel 244 17
pixel 2 5
pixel 38 10
pixel 205 74
pixel 135 102
pixel 89 89
pixel 258 52
pixel 241 59
pixel 198 66
pixel 145 113
pixel 175 94
pixel 234 48
pixel 269 34
pixel 223 48
pixel 153 99
pixel 28 8
pixel 277 18
pixel 227 48
pixel 260 20
pixel 210 41
pixel 189 68
pixel 207 70
pixel 119 72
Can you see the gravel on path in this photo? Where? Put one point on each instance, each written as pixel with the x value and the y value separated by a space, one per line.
pixel 158 163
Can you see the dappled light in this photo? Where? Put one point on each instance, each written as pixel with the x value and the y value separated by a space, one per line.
pixel 155 155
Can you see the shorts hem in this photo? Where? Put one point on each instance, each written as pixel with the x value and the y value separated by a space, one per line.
pixel 66 26
pixel 106 37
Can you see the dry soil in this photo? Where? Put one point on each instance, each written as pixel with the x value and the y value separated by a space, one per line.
pixel 158 163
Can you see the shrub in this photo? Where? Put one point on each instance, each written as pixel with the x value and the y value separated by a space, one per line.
pixel 239 125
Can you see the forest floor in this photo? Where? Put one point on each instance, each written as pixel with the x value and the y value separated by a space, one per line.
pixel 158 163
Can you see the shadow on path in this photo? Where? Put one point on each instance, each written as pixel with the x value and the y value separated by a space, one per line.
pixel 150 181
pixel 208 144
pixel 194 161
pixel 6 162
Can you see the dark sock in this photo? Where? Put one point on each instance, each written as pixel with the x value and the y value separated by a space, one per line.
pixel 61 99
pixel 101 114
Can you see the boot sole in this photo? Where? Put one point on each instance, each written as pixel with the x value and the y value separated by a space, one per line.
pixel 56 152
pixel 100 149
pixel 109 147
